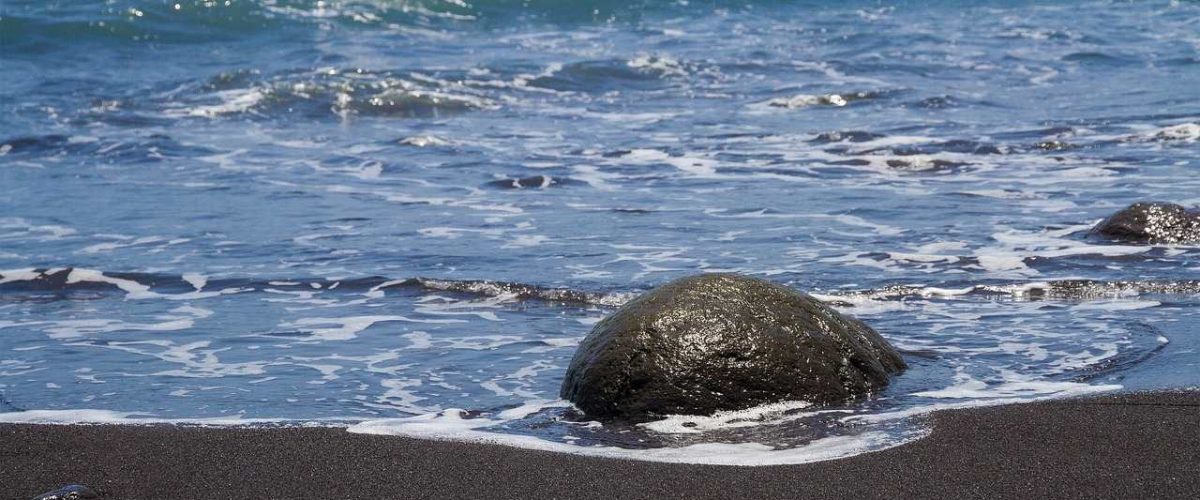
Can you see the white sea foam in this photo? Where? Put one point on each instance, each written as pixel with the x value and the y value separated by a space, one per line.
pixel 181 318
pixel 110 246
pixel 806 100
pixel 664 65
pixel 195 359
pixel 230 102
pixel 1188 132
pixel 96 416
pixel 1056 391
pixel 42 231
pixel 484 308
pixel 968 387
pixel 132 289
pixel 13 275
pixel 595 178
pixel 1115 305
pixel 326 329
pixel 847 219
pixel 196 280
pixel 693 424
pixel 397 395
pixel 451 424
pixel 424 141
pixel 1001 263
pixel 694 165
pixel 526 240
pixel 67 417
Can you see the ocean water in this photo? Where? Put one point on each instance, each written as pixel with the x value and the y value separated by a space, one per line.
pixel 401 217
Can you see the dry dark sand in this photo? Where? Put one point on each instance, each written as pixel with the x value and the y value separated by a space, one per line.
pixel 1122 446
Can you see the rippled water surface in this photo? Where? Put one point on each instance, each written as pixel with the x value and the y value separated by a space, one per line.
pixel 402 216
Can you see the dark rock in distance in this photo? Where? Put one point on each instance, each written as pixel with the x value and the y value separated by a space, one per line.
pixel 937 102
pixel 715 342
pixel 1152 222
pixel 536 181
pixel 845 136
pixel 1053 145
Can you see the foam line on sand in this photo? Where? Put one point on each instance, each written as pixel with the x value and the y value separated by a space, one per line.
pixel 1114 446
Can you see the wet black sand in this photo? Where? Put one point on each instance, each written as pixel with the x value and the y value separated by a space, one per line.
pixel 1120 446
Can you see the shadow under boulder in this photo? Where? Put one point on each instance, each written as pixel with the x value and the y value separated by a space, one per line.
pixel 1152 222
pixel 716 342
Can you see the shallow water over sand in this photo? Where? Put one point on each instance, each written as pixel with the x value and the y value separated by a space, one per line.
pixel 403 216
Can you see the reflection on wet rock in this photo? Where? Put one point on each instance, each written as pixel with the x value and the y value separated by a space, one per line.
pixel 1152 222
pixel 715 342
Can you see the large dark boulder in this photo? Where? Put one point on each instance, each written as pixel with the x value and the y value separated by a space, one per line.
pixel 1152 222
pixel 714 342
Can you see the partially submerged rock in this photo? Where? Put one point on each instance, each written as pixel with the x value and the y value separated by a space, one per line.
pixel 715 342
pixel 1152 222
pixel 535 181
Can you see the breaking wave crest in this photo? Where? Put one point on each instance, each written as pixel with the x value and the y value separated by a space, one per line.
pixel 146 285
pixel 151 285
pixel 1060 289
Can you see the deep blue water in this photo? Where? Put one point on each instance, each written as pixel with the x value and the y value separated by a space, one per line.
pixel 210 209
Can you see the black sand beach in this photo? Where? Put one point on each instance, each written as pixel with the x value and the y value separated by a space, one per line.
pixel 1116 446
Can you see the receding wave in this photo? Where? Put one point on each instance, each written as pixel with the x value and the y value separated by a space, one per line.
pixel 1061 289
pixel 1149 342
pixel 153 147
pixel 640 73
pixel 150 285
pixel 328 93
pixel 954 360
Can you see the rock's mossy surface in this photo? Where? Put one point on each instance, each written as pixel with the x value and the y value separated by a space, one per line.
pixel 715 342
pixel 1152 222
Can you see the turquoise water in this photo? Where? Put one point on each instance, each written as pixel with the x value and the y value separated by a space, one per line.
pixel 218 210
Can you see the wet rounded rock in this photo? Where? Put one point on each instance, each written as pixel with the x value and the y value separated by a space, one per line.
pixel 1152 222
pixel 715 342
